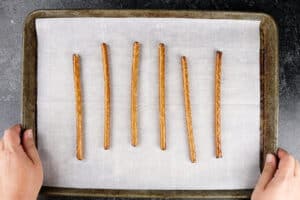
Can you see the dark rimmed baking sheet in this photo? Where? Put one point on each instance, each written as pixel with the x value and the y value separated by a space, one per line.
pixel 269 88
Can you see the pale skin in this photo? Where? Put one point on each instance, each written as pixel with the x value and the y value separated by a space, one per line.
pixel 280 180
pixel 21 173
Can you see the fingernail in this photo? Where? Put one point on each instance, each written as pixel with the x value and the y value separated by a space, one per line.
pixel 282 150
pixel 16 126
pixel 29 133
pixel 269 158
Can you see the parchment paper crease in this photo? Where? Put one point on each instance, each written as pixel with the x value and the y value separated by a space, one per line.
pixel 146 166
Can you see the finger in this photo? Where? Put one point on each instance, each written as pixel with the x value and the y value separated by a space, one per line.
pixel 11 137
pixel 286 166
pixel 281 152
pixel 297 168
pixel 1 145
pixel 268 172
pixel 29 147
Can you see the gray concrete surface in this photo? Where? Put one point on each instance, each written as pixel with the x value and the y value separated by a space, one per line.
pixel 286 14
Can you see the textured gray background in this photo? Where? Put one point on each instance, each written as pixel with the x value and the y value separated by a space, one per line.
pixel 285 13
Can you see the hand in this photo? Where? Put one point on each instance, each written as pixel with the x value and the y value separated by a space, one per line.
pixel 279 183
pixel 21 172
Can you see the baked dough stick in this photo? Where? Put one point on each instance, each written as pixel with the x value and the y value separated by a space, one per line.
pixel 106 96
pixel 162 115
pixel 134 90
pixel 218 104
pixel 188 112
pixel 78 106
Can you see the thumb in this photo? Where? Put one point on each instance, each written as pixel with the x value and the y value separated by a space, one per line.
pixel 267 173
pixel 29 147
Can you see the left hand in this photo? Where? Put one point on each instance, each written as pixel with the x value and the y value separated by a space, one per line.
pixel 21 172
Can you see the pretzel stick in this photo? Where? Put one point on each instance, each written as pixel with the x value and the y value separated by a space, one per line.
pixel 218 104
pixel 188 112
pixel 162 117
pixel 106 96
pixel 134 90
pixel 78 101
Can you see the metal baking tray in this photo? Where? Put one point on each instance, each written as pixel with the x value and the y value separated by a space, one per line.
pixel 268 91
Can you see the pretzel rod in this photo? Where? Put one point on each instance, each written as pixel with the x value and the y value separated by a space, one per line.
pixel 78 106
pixel 106 96
pixel 134 90
pixel 162 115
pixel 188 112
pixel 218 104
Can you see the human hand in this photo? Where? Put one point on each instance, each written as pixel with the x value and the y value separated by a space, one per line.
pixel 279 183
pixel 21 172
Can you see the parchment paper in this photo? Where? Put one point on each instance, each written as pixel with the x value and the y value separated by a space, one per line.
pixel 146 166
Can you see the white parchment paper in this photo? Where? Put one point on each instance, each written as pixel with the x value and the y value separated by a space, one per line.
pixel 146 166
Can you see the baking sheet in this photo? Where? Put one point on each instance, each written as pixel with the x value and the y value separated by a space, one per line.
pixel 147 167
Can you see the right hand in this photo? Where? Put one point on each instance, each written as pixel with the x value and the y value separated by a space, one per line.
pixel 279 180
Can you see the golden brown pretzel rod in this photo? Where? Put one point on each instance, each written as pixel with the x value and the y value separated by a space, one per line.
pixel 78 106
pixel 162 115
pixel 134 90
pixel 106 96
pixel 218 104
pixel 188 112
